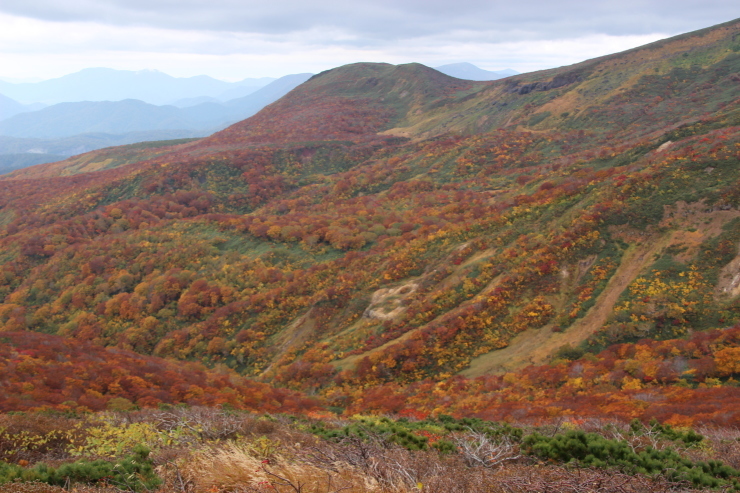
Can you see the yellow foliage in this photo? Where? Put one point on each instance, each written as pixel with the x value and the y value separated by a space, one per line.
pixel 728 361
pixel 629 383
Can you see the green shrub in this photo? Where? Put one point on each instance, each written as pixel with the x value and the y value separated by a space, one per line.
pixel 133 473
pixel 569 353
pixel 667 432
pixel 538 118
pixel 589 449
pixel 445 446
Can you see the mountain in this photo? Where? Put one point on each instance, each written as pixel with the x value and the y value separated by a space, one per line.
pixel 82 143
pixel 562 242
pixel 129 116
pixel 468 71
pixel 215 116
pixel 104 84
pixel 188 102
pixel 12 162
pixel 10 107
pixel 67 119
pixel 250 104
pixel 245 88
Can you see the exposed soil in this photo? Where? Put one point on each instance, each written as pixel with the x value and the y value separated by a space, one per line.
pixel 452 279
pixel 388 303
pixel 294 336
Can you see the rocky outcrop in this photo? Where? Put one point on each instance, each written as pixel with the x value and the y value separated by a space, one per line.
pixel 556 82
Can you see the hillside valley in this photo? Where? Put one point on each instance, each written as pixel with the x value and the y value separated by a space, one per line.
pixel 385 236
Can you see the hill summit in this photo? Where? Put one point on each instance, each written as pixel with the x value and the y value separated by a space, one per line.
pixel 350 102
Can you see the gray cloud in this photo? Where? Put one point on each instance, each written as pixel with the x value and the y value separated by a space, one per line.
pixel 233 39
pixel 387 21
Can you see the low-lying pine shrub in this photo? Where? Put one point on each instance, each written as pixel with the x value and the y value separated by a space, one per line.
pixel 591 449
pixel 134 472
pixel 666 431
pixel 406 433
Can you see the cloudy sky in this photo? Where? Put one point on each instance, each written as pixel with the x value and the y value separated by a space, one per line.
pixel 235 39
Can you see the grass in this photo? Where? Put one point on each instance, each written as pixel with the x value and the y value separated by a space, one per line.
pixel 206 450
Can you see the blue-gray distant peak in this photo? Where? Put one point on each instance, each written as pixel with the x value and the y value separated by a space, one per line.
pixel 468 71
pixel 10 107
pixel 105 84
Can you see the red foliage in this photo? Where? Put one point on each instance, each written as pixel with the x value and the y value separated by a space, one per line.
pixel 44 371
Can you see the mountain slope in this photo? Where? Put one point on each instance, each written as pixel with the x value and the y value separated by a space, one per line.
pixel 102 159
pixel 42 371
pixel 381 225
pixel 666 83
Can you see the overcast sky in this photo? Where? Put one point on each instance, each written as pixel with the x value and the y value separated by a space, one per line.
pixel 235 39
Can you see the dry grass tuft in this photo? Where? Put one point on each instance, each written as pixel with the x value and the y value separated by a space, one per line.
pixel 723 443
pixel 528 479
pixel 233 467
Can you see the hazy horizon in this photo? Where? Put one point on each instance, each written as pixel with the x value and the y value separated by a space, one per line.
pixel 35 80
pixel 231 41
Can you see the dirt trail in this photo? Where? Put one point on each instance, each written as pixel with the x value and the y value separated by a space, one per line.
pixel 294 335
pixel 536 346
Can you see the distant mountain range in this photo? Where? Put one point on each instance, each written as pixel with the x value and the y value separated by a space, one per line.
pixel 72 128
pixel 468 71
pixel 150 86
pixel 154 87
